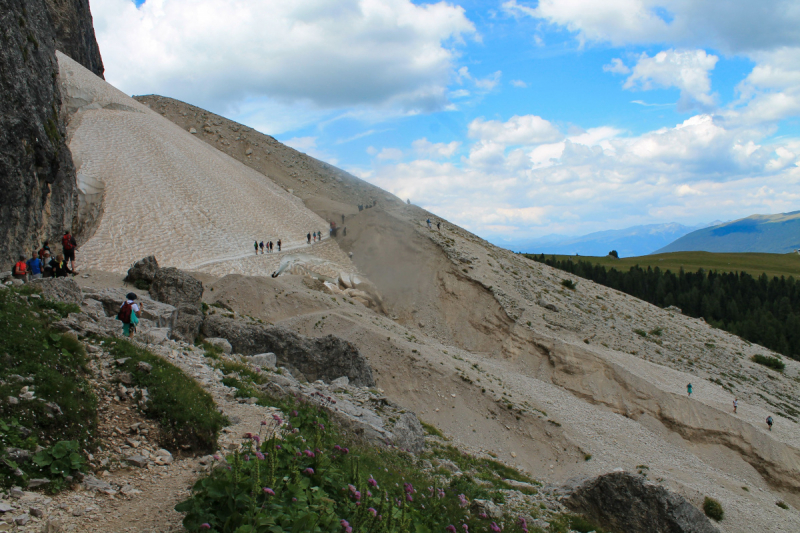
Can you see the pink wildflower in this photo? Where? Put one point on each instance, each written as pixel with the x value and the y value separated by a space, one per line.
pixel 495 527
pixel 269 491
pixel 205 526
pixel 451 528
pixel 309 471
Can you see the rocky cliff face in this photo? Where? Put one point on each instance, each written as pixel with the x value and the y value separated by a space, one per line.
pixel 74 32
pixel 37 176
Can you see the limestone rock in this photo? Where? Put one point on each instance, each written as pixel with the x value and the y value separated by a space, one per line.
pixel 325 358
pixel 409 434
pixel 187 323
pixel 37 175
pixel 60 289
pixel 263 360
pixel 176 287
pixel 487 507
pixel 143 269
pixel 220 343
pixel 74 33
pixel 624 502
pixel 137 460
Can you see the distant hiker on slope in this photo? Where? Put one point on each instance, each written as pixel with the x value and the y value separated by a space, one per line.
pixel 21 269
pixel 261 245
pixel 429 223
pixel 439 226
pixel 689 389
pixel 128 315
pixel 308 236
pixel 255 246
pixel 735 405
pixel 279 245
pixel 271 246
pixel 68 243
pixel 769 422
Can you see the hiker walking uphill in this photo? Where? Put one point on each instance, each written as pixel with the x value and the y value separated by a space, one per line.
pixel 255 246
pixel 68 243
pixel 689 389
pixel 769 422
pixel 279 245
pixel 261 245
pixel 128 315
pixel 308 236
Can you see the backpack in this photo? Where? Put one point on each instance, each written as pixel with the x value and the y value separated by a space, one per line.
pixel 125 313
pixel 68 242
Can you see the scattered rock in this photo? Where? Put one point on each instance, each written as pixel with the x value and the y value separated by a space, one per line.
pixel 137 460
pixel 144 367
pixel 126 378
pixel 176 287
pixel 143 269
pixel 35 511
pixel 263 360
pixel 487 507
pixel 22 520
pixel 5 507
pixel 59 289
pixel 325 358
pixel 33 483
pixel 409 434
pixel 624 502
pixel 220 343
pixel 340 383
pixel 92 483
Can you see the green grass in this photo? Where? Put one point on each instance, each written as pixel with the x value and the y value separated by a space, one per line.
pixel 52 364
pixel 573 522
pixel 186 414
pixel 430 429
pixel 713 509
pixel 752 263
pixel 771 362
pixel 53 367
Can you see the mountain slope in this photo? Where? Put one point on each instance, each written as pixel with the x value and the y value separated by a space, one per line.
pixel 776 234
pixel 628 242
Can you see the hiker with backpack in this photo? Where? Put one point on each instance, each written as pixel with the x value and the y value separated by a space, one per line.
pixel 21 269
pixel 279 245
pixel 45 249
pixel 128 315
pixel 68 243
pixel 769 422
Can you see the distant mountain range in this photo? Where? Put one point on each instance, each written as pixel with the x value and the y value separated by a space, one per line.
pixel 628 242
pixel 777 234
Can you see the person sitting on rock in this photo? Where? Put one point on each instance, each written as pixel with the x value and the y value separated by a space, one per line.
pixel 60 268
pixel 128 315
pixel 21 269
pixel 35 266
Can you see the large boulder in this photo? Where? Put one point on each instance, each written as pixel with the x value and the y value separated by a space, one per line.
pixel 159 314
pixel 326 358
pixel 187 323
pixel 176 287
pixel 408 433
pixel 143 270
pixel 619 501
pixel 59 289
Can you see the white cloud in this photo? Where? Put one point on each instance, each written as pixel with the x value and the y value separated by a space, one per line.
pixel 438 150
pixel 519 84
pixel 483 84
pixel 687 70
pixel 696 170
pixel 518 130
pixel 322 53
pixel 390 154
pixel 616 66
pixel 302 144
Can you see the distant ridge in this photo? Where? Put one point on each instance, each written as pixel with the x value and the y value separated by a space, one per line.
pixel 776 234
pixel 628 242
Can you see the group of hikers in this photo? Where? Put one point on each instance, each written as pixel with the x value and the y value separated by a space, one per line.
pixel 314 236
pixel 269 246
pixel 770 421
pixel 42 264
pixel 438 224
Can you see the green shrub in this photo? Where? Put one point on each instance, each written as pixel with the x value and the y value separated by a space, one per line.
pixel 571 522
pixel 313 479
pixel 713 509
pixel 142 285
pixel 771 362
pixel 656 331
pixel 781 504
pixel 640 332
pixel 52 365
pixel 430 429
pixel 569 284
pixel 186 414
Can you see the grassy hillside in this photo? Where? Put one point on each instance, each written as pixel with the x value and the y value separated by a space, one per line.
pixel 777 234
pixel 755 264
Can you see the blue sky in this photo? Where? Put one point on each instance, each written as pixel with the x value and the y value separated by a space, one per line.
pixel 511 118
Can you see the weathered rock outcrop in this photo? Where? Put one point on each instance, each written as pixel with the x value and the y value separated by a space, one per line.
pixel 177 288
pixel 326 358
pixel 143 270
pixel 37 175
pixel 74 32
pixel 60 289
pixel 623 502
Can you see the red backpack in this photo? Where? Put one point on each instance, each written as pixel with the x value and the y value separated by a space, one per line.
pixel 68 242
pixel 125 313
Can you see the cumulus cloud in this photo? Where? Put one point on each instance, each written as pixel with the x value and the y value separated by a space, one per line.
pixel 390 154
pixel 437 150
pixel 519 84
pixel 686 70
pixel 601 176
pixel 518 130
pixel 616 67
pixel 324 53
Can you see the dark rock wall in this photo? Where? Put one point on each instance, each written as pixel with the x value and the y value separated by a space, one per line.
pixel 74 32
pixel 38 188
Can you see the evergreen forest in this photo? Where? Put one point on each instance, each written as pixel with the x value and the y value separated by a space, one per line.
pixel 760 310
